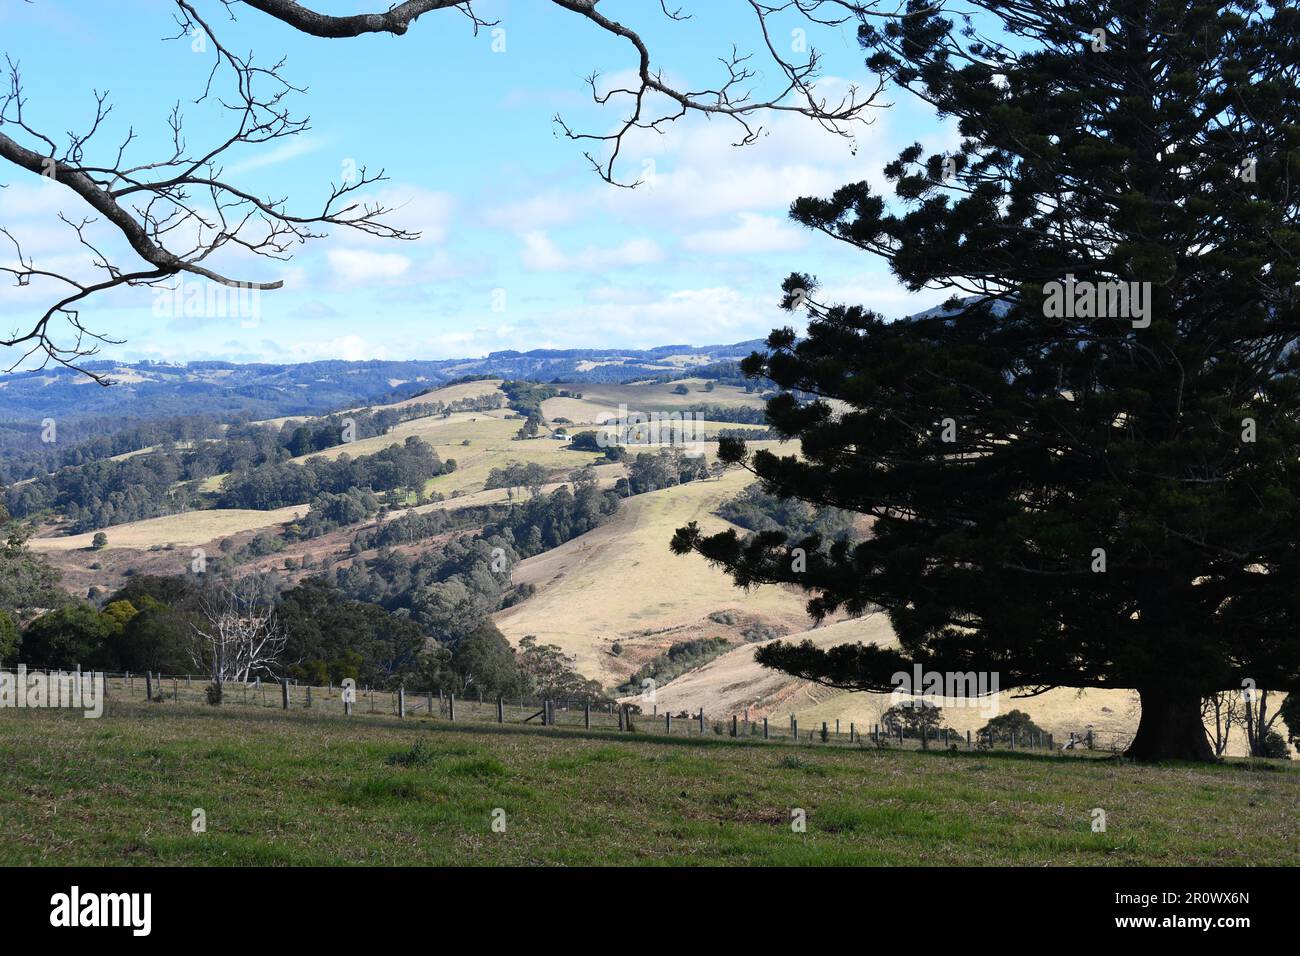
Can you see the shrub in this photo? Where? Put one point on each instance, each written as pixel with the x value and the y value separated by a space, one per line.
pixel 416 756
pixel 1016 721
pixel 1274 746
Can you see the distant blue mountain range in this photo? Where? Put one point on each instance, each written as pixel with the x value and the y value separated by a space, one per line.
pixel 150 390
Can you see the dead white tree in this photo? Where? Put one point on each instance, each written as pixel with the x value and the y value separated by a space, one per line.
pixel 239 638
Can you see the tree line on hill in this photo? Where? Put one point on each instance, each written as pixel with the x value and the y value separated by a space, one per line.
pixel 92 491
pixel 407 466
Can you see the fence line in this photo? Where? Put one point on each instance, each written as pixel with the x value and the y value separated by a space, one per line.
pixel 402 703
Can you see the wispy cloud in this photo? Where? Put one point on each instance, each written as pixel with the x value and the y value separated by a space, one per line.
pixel 299 146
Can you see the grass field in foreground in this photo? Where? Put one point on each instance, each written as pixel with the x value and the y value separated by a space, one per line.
pixel 297 789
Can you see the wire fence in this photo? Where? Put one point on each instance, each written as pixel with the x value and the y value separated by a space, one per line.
pixel 641 718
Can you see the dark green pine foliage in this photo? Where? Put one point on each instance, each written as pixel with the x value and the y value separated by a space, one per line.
pixel 1163 151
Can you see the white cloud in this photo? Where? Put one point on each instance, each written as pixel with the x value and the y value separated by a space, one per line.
pixel 541 254
pixel 362 266
pixel 752 235
pixel 290 149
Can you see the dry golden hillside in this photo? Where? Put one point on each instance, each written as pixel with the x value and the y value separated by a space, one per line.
pixel 620 583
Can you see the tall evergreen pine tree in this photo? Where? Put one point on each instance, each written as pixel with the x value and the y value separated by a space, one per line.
pixel 1103 492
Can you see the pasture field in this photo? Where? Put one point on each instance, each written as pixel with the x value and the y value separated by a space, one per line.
pixel 436 430
pixel 295 788
pixel 493 446
pixel 600 402
pixel 186 529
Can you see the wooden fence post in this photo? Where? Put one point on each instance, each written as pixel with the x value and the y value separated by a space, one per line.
pixel 968 740
pixel 851 729
pixel 701 720
pixel 765 728
pixel 668 722
pixel 309 695
pixel 1089 739
pixel 401 701
pixel 148 685
pixel 586 715
pixel 284 692
pixel 735 728
pixel 1051 743
pixel 794 728
pixel 451 706
pixel 622 711
pixel 501 710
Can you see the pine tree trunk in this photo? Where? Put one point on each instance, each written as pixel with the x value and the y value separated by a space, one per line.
pixel 1170 729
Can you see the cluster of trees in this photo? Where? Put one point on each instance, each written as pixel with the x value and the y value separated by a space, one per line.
pixel 923 720
pixel 329 637
pixel 447 591
pixel 517 477
pixel 406 527
pixel 546 522
pixel 756 510
pixel 102 493
pixel 27 582
pixel 147 625
pixel 104 443
pixel 526 397
pixel 313 632
pixel 677 660
pixel 650 471
pixel 330 511
pixel 406 466
pixel 591 441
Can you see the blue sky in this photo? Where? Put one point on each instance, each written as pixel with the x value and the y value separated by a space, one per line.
pixel 522 245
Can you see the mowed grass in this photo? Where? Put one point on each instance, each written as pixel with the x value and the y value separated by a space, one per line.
pixel 301 789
